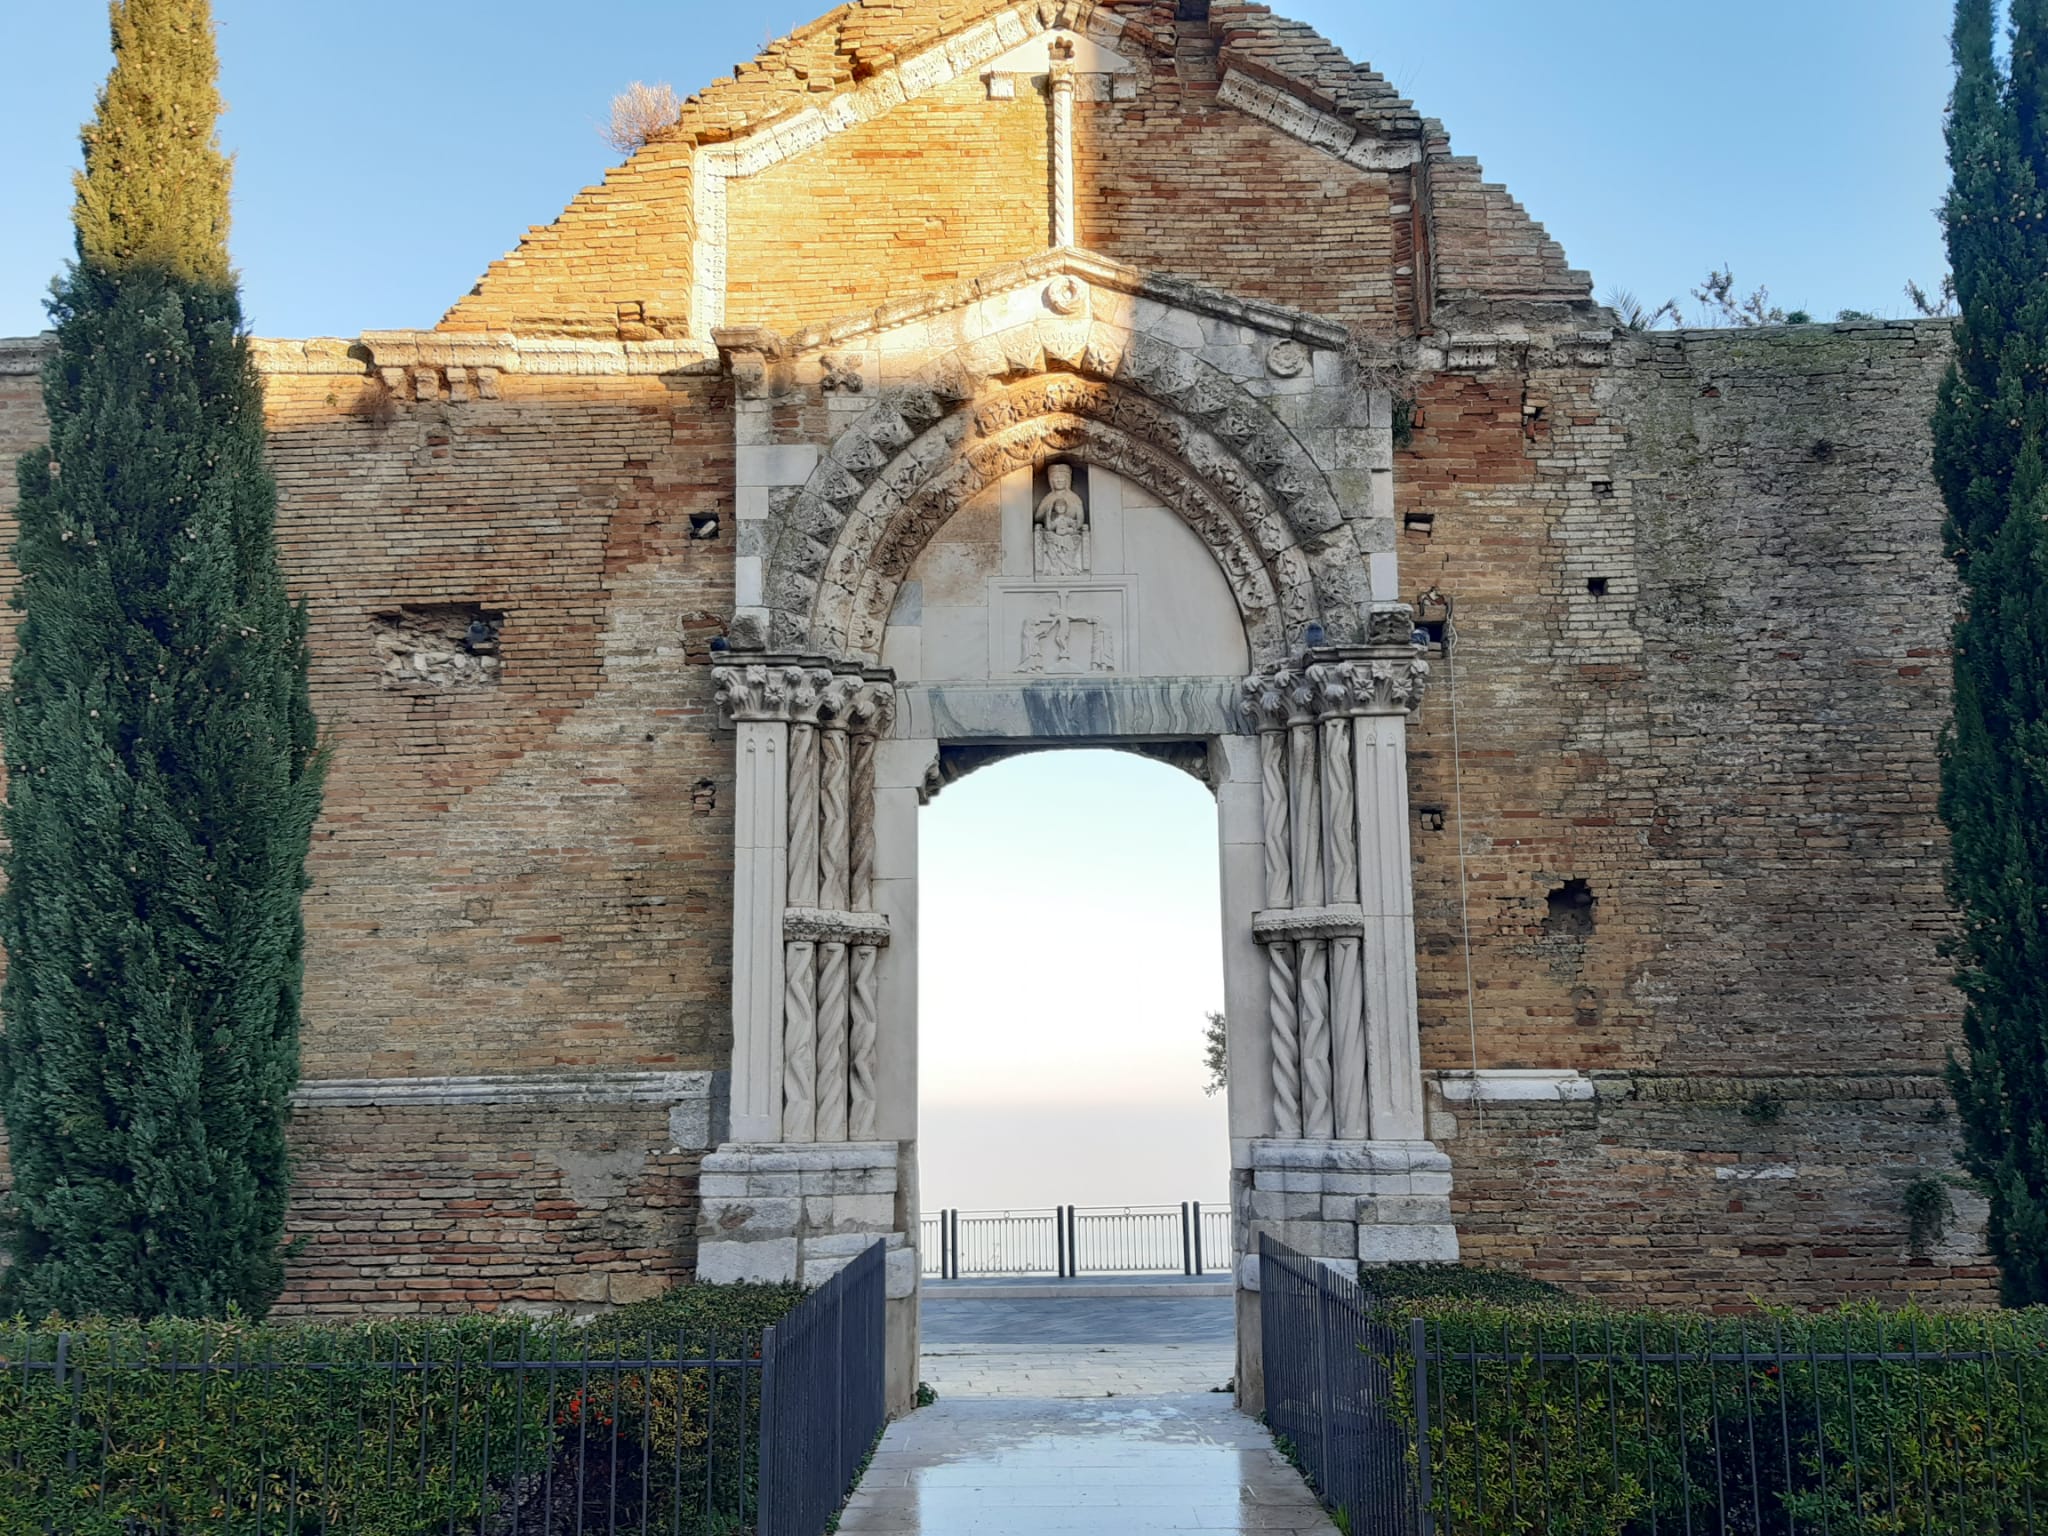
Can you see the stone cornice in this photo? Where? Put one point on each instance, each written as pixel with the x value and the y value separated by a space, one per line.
pixel 1275 320
pixel 1314 126
pixel 505 1088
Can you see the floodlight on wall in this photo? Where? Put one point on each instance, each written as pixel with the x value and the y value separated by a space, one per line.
pixel 1315 635
pixel 720 645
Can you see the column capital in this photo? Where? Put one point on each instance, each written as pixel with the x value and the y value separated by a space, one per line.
pixel 1325 686
pixel 804 691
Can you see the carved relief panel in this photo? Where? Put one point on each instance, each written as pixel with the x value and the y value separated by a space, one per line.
pixel 1070 571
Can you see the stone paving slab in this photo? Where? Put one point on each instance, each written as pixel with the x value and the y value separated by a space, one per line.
pixel 1036 1467
pixel 1077 1370
pixel 1080 1320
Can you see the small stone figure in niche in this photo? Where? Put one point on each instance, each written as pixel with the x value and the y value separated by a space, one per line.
pixel 1061 527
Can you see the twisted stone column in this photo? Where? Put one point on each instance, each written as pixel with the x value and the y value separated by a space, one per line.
pixel 835 854
pixel 1350 1118
pixel 1332 960
pixel 1061 84
pixel 824 1013
pixel 873 714
pixel 1265 700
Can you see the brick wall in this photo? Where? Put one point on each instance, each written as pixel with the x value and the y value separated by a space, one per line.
pixel 1732 743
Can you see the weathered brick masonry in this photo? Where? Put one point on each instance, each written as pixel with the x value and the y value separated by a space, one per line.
pixel 1698 675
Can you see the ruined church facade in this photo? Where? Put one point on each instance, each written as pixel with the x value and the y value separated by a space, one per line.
pixel 964 377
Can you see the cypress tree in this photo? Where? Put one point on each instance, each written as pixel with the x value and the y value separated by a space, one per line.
pixel 1991 434
pixel 162 764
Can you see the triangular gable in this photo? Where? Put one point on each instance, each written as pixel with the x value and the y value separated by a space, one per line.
pixel 643 257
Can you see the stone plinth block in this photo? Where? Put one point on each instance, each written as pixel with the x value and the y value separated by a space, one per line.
pixel 800 1212
pixel 1342 1202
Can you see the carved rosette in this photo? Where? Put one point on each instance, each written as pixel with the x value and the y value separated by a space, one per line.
pixel 830 936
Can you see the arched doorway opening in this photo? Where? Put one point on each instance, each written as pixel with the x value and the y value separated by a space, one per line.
pixel 1070 957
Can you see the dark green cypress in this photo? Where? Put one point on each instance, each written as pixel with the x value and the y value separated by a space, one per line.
pixel 162 763
pixel 1991 434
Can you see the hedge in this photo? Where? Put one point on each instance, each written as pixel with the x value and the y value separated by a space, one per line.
pixel 1857 1423
pixel 389 1429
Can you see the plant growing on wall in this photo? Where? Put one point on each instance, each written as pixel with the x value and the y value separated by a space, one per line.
pixel 162 764
pixel 1991 459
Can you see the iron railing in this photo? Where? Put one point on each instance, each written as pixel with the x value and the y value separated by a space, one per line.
pixel 476 1429
pixel 1066 1240
pixel 1854 1424
pixel 823 1397
pixel 1330 1396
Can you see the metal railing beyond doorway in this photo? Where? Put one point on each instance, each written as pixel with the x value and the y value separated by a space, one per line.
pixel 1068 1240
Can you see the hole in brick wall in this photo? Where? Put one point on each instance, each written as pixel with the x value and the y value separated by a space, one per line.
pixel 1432 817
pixel 1570 910
pixel 1603 487
pixel 704 797
pixel 1823 452
pixel 1423 523
pixel 1597 585
pixel 1193 10
pixel 438 647
pixel 704 525
pixel 1711 392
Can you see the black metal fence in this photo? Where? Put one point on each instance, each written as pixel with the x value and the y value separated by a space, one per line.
pixel 1330 1392
pixel 1068 1240
pixel 1477 1422
pixel 465 1429
pixel 823 1402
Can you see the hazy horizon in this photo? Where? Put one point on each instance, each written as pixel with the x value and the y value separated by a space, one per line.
pixel 1070 950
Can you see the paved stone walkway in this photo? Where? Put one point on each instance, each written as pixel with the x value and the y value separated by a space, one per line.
pixel 1093 1347
pixel 1080 1417
pixel 1002 1466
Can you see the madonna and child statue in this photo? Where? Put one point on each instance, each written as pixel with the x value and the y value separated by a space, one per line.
pixel 1060 527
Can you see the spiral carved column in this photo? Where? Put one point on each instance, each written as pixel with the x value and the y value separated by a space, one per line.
pixel 1265 701
pixel 1316 923
pixel 826 1015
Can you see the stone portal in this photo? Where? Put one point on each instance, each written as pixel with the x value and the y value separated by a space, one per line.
pixel 1124 515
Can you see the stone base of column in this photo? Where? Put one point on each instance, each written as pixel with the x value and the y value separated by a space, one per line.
pixel 799 1212
pixel 1345 1203
pixel 1350 1202
pixel 803 1212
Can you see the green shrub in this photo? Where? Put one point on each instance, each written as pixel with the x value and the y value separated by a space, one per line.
pixel 387 1429
pixel 1859 1423
pixel 1399 1285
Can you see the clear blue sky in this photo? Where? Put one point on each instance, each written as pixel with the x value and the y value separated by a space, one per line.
pixel 390 149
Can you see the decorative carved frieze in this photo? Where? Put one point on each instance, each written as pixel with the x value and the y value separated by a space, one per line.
pixel 1345 920
pixel 828 926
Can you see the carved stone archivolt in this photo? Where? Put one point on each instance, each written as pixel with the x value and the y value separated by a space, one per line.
pixel 1067 387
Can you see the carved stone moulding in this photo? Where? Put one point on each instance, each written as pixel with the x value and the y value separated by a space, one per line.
pixel 803 691
pixel 1345 920
pixel 816 925
pixel 1298 694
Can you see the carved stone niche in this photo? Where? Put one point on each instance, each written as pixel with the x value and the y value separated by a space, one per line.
pixel 438 647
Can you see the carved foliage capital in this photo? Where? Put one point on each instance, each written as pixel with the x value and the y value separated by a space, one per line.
pixel 803 693
pixel 1288 695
